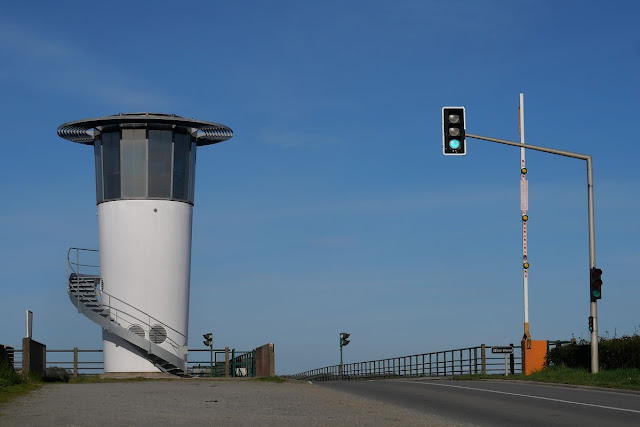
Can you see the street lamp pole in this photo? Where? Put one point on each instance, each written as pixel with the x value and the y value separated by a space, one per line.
pixel 592 229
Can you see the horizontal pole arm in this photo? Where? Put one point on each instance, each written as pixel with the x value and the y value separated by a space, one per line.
pixel 532 147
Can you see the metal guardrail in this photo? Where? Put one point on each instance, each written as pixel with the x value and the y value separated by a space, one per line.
pixel 471 360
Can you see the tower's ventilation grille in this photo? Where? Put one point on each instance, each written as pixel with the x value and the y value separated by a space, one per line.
pixel 215 134
pixel 157 334
pixel 75 134
pixel 137 329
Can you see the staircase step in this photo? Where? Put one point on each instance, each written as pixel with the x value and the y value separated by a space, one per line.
pixel 83 291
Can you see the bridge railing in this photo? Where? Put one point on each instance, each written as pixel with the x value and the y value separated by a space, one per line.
pixel 461 361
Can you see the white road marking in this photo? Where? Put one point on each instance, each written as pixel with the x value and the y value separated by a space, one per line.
pixel 523 395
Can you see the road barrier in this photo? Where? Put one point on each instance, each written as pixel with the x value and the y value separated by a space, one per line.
pixel 461 361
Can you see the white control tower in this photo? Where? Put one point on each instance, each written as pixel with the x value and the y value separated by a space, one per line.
pixel 145 180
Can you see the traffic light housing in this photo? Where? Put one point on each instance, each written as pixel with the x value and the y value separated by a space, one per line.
pixel 596 284
pixel 343 339
pixel 454 131
pixel 208 339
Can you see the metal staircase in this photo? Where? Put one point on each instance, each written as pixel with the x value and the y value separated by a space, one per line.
pixel 122 319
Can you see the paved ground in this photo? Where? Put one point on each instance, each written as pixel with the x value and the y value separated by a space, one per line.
pixel 205 402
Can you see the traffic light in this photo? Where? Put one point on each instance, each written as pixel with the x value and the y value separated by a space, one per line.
pixel 343 339
pixel 453 131
pixel 596 284
pixel 590 323
pixel 208 339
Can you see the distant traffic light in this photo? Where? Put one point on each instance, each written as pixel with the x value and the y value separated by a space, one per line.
pixel 596 284
pixel 343 339
pixel 453 131
pixel 208 339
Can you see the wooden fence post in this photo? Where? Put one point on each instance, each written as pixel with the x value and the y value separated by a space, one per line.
pixel 226 361
pixel 75 362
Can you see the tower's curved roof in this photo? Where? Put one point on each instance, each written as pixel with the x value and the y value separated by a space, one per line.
pixel 81 131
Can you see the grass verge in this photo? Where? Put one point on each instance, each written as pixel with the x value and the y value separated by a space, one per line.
pixel 271 379
pixel 627 379
pixel 95 379
pixel 13 384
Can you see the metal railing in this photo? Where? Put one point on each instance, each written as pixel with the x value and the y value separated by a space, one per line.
pixel 234 363
pixel 202 366
pixel 226 362
pixel 82 362
pixel 75 361
pixel 471 360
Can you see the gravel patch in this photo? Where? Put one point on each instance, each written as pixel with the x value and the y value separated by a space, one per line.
pixel 204 402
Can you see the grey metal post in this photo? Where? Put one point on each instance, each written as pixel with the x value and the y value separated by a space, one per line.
pixel 211 357
pixel 592 262
pixel 592 230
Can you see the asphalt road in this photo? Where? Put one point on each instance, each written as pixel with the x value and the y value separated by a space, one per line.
pixel 501 403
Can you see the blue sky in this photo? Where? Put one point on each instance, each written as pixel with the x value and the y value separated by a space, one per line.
pixel 332 208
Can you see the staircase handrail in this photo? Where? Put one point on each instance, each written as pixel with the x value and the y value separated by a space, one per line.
pixel 150 317
pixel 100 292
pixel 77 263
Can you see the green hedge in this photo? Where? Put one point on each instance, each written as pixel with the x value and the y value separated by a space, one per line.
pixel 615 353
pixel 7 375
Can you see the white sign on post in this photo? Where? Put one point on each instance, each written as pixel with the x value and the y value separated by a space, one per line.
pixel 524 195
pixel 29 324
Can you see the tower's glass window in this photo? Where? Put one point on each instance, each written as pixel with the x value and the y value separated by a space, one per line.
pixel 133 157
pixel 160 163
pixel 111 164
pixel 145 163
pixel 192 179
pixel 98 156
pixel 181 159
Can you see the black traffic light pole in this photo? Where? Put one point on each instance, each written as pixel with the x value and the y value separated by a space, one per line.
pixel 208 341
pixel 343 341
pixel 592 229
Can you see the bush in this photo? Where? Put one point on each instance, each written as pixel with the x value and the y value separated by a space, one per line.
pixel 620 353
pixel 57 374
pixel 8 376
pixel 615 353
